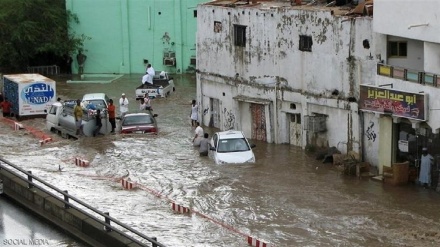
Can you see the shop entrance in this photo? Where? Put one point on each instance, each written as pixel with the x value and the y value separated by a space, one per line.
pixel 409 145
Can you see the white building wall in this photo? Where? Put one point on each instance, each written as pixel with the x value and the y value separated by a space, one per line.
pixel 371 138
pixel 432 57
pixel 399 18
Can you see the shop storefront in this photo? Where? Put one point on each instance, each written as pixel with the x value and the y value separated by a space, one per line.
pixel 396 128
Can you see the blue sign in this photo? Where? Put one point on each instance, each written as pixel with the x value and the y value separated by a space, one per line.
pixel 37 94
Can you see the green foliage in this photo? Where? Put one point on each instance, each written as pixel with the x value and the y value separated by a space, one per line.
pixel 29 28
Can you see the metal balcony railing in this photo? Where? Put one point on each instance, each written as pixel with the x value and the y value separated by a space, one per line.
pixel 410 75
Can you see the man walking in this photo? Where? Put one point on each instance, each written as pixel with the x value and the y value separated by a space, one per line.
pixel 204 145
pixel 425 168
pixel 98 125
pixel 123 105
pixel 112 115
pixel 198 136
pixel 78 113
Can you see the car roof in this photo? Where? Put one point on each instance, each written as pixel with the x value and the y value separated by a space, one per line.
pixel 137 114
pixel 230 134
pixel 90 96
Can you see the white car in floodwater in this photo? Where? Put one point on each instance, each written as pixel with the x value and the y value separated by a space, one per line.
pixel 231 147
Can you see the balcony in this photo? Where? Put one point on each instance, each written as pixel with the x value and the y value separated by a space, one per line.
pixel 419 77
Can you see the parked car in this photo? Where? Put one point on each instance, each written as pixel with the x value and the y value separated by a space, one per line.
pixel 231 147
pixel 139 123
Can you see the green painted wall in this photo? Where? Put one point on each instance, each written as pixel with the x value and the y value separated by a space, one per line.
pixel 125 32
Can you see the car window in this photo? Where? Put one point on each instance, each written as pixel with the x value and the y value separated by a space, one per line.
pixel 223 146
pixel 98 103
pixel 240 145
pixel 137 120
pixel 232 145
pixel 53 110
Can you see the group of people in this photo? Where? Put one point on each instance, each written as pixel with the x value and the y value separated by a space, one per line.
pixel 200 139
pixel 145 104
pixel 78 114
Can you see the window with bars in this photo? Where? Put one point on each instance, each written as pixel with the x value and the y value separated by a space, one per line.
pixel 239 35
pixel 217 27
pixel 316 123
pixel 305 43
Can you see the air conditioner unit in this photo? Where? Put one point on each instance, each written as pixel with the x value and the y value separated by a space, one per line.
pixel 169 61
pixel 193 61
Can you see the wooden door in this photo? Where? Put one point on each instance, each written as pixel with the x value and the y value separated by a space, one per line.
pixel 295 130
pixel 258 122
pixel 214 121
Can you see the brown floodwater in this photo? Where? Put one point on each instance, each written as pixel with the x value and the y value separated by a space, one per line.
pixel 287 198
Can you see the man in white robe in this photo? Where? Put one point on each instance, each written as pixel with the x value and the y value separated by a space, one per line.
pixel 425 168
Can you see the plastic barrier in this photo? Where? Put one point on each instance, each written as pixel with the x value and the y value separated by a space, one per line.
pixel 44 141
pixel 180 209
pixel 257 243
pixel 81 162
pixel 128 184
pixel 18 126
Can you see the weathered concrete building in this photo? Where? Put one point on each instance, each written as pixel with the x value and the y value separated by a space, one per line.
pixel 324 76
pixel 286 73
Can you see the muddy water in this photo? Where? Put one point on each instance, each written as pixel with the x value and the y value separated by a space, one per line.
pixel 286 198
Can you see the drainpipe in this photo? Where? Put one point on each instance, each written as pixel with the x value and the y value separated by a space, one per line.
pixel 125 65
pixel 276 113
pixel 179 43
pixel 361 120
pixel 149 17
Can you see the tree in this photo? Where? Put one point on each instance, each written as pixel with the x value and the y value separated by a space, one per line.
pixel 35 30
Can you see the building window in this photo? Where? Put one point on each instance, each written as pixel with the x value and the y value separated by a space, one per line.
pixel 217 27
pixel 397 48
pixel 195 13
pixel 239 35
pixel 305 43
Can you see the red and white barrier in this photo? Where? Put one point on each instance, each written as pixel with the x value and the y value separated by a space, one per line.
pixel 256 243
pixel 81 162
pixel 128 184
pixel 180 209
pixel 45 140
pixel 18 126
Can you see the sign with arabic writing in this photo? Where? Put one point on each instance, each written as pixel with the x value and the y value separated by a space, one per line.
pixel 394 102
pixel 37 93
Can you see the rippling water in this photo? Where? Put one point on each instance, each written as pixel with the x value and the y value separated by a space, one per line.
pixel 286 198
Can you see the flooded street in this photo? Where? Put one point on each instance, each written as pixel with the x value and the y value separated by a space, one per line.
pixel 286 198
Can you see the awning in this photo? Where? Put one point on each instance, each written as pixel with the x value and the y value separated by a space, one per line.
pixel 252 100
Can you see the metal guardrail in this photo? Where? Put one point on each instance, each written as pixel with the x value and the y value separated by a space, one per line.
pixel 44 70
pixel 107 218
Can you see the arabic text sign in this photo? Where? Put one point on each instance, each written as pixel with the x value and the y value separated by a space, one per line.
pixel 37 93
pixel 398 103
